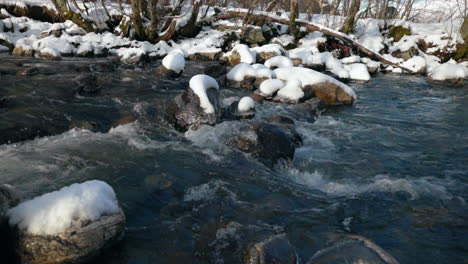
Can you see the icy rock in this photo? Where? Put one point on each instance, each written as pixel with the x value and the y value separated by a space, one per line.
pixel 352 249
pixel 198 105
pixel 71 225
pixel 267 142
pixel 276 249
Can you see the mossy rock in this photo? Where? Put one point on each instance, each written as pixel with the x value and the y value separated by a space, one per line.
pixel 85 24
pixel 398 32
pixel 462 52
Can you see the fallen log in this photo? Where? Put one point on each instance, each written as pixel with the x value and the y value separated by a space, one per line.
pixel 310 27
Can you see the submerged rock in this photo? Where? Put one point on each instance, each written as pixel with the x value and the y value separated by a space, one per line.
pixel 9 197
pixel 165 73
pixel 243 109
pixel 330 93
pixel 275 250
pixel 267 142
pixel 352 249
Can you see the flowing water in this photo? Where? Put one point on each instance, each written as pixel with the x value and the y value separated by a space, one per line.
pixel 392 168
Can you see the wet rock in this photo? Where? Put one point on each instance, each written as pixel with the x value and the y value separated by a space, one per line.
pixel 275 250
pixel 451 82
pixel 248 83
pixel 280 119
pixel 184 111
pixel 205 56
pixel 313 106
pixel 9 197
pixel 75 245
pixel 87 85
pixel 352 249
pixel 266 142
pixel 232 112
pixel 165 73
pixel 22 51
pixel 330 93
pixel 406 55
pixel 215 71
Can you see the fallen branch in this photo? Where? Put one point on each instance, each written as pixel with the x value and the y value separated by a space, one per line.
pixel 312 27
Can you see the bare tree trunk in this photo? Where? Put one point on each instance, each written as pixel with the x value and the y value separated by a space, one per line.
pixel 153 28
pixel 60 5
pixel 348 25
pixel 292 19
pixel 190 29
pixel 336 4
pixel 136 20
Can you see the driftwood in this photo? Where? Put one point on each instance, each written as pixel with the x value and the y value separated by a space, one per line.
pixel 311 27
pixel 75 245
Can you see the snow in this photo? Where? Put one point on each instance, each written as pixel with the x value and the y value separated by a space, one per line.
pixel 269 48
pixel 415 64
pixel 312 39
pixel 358 71
pixel 279 62
pixel 310 77
pixel 283 40
pixel 405 43
pixel 261 71
pixel 334 65
pixel 246 104
pixel 368 32
pixel 351 59
pixel 448 71
pixel 292 91
pixel 240 72
pixel 200 84
pixel 71 206
pixel 269 87
pixel 174 61
pixel 246 55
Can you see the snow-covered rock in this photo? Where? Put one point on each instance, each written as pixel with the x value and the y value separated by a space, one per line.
pixel 172 65
pixel 358 72
pixel 417 65
pixel 313 39
pixel 287 41
pixel 291 93
pixel 198 105
pixel 269 88
pixel 67 226
pixel 406 48
pixel 241 53
pixel 243 75
pixel 246 104
pixel 449 73
pixel 279 62
pixel 268 51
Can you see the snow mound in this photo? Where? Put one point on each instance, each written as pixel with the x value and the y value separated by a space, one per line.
pixel 261 71
pixel 358 71
pixel 240 71
pixel 269 87
pixel 292 91
pixel 246 54
pixel 279 62
pixel 200 84
pixel 174 61
pixel 74 205
pixel 415 64
pixel 312 39
pixel 449 71
pixel 405 43
pixel 246 104
pixel 269 48
pixel 310 77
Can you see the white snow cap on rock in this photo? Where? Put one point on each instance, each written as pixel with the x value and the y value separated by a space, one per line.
pixel 292 91
pixel 53 213
pixel 358 71
pixel 310 77
pixel 200 84
pixel 269 87
pixel 262 71
pixel 448 71
pixel 174 61
pixel 415 64
pixel 246 104
pixel 240 71
pixel 246 54
pixel 269 48
pixel 279 62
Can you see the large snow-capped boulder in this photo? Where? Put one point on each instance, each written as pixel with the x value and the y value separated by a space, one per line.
pixel 405 49
pixel 417 65
pixel 243 75
pixel 71 225
pixel 358 72
pixel 172 65
pixel 268 51
pixel 291 93
pixel 267 142
pixel 276 249
pixel 352 249
pixel 269 88
pixel 198 105
pixel 316 84
pixel 279 62
pixel 448 74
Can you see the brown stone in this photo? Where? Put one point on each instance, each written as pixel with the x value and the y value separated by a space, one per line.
pixel 275 250
pixel 330 93
pixel 234 58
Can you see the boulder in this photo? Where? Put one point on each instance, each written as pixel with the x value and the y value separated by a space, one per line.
pixel 329 92
pixel 451 82
pixel 280 119
pixel 253 35
pixel 352 249
pixel 274 250
pixel 184 111
pixel 205 56
pixel 398 32
pixel 234 58
pixel 247 83
pixel 75 245
pixel 406 55
pixel 233 112
pixel 267 142
pixel 22 51
pixel 165 73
